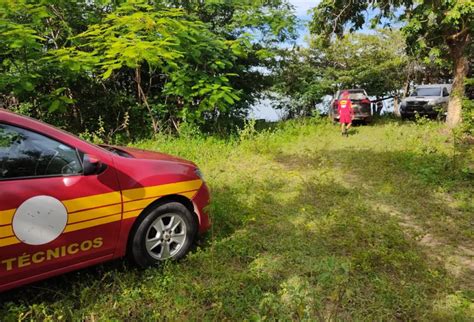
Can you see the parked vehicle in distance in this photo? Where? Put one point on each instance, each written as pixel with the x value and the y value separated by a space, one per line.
pixel 360 104
pixel 66 204
pixel 426 100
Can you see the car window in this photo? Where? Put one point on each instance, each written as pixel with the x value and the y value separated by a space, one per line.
pixel 355 95
pixel 445 92
pixel 427 91
pixel 25 153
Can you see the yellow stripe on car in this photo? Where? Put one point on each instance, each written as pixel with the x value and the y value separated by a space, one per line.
pixel 161 190
pixel 104 199
pixel 6 216
pixel 6 231
pixel 189 194
pixel 139 204
pixel 132 214
pixel 92 223
pixel 94 213
pixel 8 241
pixel 95 210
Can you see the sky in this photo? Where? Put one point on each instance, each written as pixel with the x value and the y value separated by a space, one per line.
pixel 302 7
pixel 301 10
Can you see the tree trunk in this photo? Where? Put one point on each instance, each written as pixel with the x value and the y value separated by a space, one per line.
pixel 396 107
pixel 460 72
pixel 142 97
pixel 406 86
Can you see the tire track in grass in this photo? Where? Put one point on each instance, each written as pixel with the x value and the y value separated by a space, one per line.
pixel 458 258
pixel 455 254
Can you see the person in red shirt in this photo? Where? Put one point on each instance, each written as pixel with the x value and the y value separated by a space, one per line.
pixel 346 113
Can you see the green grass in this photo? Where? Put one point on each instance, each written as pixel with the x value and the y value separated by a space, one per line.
pixel 307 225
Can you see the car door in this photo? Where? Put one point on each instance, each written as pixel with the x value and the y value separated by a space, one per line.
pixel 53 218
pixel 445 95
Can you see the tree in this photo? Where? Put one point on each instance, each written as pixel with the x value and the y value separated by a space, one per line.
pixel 376 62
pixel 31 80
pixel 189 57
pixel 135 62
pixel 299 82
pixel 429 27
pixel 268 23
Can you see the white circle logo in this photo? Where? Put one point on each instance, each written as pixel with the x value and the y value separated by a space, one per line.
pixel 39 220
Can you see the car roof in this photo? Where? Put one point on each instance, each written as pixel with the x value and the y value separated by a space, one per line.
pixel 352 90
pixel 46 129
pixel 433 86
pixel 28 121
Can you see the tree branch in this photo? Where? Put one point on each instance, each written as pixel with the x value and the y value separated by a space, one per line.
pixel 339 15
pixel 458 35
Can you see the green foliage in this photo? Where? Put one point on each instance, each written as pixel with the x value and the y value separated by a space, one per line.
pixel 248 131
pixel 425 20
pixel 468 109
pixel 434 31
pixel 20 46
pixel 190 57
pixel 160 63
pixel 7 138
pixel 375 62
pixel 96 137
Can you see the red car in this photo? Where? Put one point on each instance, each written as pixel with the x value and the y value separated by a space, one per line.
pixel 67 204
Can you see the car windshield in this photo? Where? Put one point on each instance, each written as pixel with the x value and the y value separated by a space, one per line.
pixel 427 91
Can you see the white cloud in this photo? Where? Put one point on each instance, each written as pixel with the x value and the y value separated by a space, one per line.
pixel 302 7
pixel 301 10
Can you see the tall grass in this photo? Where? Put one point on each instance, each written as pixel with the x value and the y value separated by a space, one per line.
pixel 307 225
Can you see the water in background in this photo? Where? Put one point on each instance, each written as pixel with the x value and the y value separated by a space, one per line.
pixel 264 109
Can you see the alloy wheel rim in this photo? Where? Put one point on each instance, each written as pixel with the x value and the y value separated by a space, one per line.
pixel 166 236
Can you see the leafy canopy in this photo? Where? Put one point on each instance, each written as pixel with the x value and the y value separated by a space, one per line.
pixel 152 62
pixel 375 62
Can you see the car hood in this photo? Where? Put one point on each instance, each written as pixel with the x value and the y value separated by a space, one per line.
pixel 144 154
pixel 421 98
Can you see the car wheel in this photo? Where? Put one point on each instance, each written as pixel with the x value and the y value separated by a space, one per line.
pixel 165 232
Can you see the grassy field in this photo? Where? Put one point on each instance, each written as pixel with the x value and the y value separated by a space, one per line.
pixel 308 225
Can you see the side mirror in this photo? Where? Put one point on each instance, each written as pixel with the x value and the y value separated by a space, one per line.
pixel 92 165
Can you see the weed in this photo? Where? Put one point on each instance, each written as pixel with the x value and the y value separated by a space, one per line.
pixel 307 226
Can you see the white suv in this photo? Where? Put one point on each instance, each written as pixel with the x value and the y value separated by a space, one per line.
pixel 429 100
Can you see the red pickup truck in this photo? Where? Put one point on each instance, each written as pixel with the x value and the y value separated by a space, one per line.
pixel 360 103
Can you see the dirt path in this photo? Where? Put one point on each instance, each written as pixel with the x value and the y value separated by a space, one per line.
pixel 458 257
pixel 361 164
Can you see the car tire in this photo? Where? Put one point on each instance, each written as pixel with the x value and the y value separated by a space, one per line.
pixel 165 232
